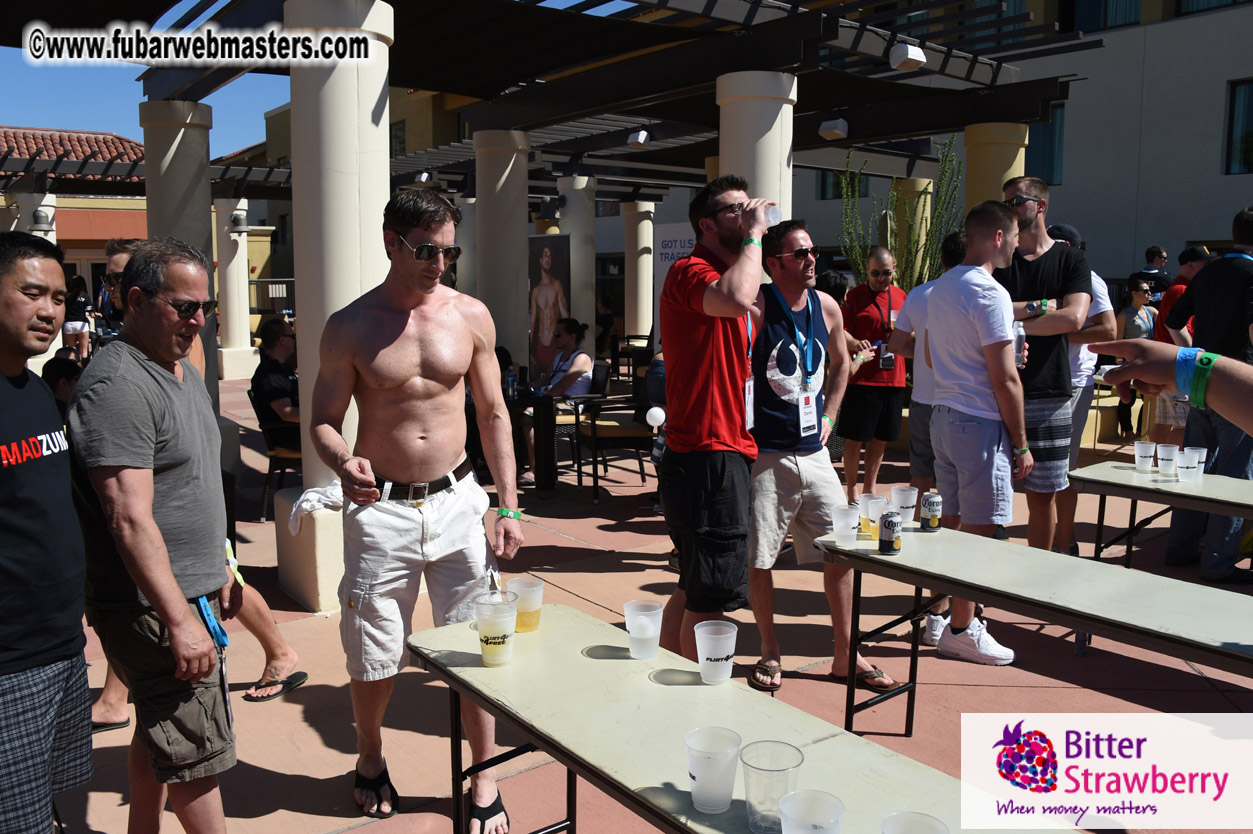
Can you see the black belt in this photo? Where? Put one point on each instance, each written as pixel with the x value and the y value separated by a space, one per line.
pixel 420 492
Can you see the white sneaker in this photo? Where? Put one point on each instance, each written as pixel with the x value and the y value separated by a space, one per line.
pixel 974 644
pixel 934 628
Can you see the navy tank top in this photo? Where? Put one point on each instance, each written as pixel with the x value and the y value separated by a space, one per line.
pixel 779 373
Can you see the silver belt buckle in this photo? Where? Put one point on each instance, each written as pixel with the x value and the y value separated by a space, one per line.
pixel 420 497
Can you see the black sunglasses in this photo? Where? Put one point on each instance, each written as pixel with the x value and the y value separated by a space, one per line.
pixel 734 209
pixel 881 273
pixel 112 279
pixel 427 251
pixel 1021 199
pixel 187 309
pixel 802 253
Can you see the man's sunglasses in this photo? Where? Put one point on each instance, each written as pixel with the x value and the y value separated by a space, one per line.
pixel 802 253
pixel 112 279
pixel 734 209
pixel 881 273
pixel 187 309
pixel 427 251
pixel 1020 199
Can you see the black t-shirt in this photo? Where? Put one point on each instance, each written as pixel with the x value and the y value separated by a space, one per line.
pixel 1220 297
pixel 1059 272
pixel 76 307
pixel 41 548
pixel 274 380
pixel 1157 279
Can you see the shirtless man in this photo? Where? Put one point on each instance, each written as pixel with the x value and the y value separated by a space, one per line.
pixel 404 351
pixel 548 304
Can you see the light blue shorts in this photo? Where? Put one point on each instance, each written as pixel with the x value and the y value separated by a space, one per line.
pixel 973 469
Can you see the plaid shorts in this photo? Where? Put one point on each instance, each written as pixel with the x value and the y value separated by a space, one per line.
pixel 1048 435
pixel 45 721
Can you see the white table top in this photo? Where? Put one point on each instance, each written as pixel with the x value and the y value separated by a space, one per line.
pixel 1208 493
pixel 1181 619
pixel 573 688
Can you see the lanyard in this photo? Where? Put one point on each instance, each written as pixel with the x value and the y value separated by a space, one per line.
pixel 808 357
pixel 879 309
pixel 748 322
pixel 1238 255
pixel 211 623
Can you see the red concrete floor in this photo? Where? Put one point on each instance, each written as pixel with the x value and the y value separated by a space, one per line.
pixel 296 754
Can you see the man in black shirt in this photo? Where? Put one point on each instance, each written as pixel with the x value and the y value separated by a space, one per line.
pixel 45 706
pixel 275 392
pixel 1220 301
pixel 1051 287
pixel 1154 272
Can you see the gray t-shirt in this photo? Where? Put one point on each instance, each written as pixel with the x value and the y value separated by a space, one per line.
pixel 129 411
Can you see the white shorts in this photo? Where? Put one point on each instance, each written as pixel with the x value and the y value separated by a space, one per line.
pixel 388 547
pixel 796 492
pixel 1172 410
pixel 74 327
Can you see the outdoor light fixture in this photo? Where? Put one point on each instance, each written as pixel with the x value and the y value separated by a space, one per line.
pixel 906 56
pixel 833 129
pixel 239 223
pixel 42 222
pixel 638 139
pixel 425 176
pixel 548 208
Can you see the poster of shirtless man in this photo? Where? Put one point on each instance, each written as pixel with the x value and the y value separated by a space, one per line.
pixel 550 293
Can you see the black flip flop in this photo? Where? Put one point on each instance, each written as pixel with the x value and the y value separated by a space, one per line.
pixel 376 784
pixel 485 814
pixel 105 726
pixel 287 684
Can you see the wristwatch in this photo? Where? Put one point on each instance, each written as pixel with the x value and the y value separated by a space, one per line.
pixel 1033 308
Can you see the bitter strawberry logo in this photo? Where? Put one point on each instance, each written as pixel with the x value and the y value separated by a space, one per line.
pixel 1027 760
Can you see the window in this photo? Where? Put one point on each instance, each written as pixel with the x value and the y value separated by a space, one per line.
pixel 1044 146
pixel 1240 132
pixel 1095 15
pixel 1012 8
pixel 1189 6
pixel 830 186
pixel 396 139
pixel 608 208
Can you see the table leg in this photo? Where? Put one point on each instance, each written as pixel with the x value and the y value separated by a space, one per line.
pixel 915 643
pixel 1131 535
pixel 454 733
pixel 854 645
pixel 1100 528
pixel 572 799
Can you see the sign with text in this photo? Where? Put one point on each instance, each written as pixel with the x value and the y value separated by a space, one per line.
pixel 1106 770
pixel 671 241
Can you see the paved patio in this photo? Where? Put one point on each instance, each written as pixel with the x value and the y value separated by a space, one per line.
pixel 296 754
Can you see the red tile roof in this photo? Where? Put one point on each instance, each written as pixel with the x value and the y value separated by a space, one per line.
pixel 80 143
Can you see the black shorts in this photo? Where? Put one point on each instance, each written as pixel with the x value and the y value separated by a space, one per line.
pixel 871 412
pixel 704 496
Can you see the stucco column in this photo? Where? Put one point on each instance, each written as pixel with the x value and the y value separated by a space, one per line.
pixel 176 174
pixel 638 315
pixel 544 226
pixel 237 358
pixel 339 130
pixel 578 220
pixel 913 202
pixel 467 239
pixel 500 163
pixel 995 152
pixel 755 132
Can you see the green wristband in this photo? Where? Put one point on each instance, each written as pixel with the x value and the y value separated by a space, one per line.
pixel 826 418
pixel 1022 451
pixel 751 241
pixel 507 513
pixel 1200 378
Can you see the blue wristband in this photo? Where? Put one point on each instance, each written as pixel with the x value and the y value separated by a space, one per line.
pixel 1185 366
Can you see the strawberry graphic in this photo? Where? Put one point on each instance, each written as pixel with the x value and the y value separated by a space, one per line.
pixel 1027 760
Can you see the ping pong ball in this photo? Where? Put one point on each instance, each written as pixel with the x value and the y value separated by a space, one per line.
pixel 655 416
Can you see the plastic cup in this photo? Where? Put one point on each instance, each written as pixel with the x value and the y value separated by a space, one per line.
pixel 872 507
pixel 1187 465
pixel 1144 455
pixel 770 769
pixel 905 499
pixel 497 615
pixel 715 649
pixel 530 591
pixel 846 521
pixel 804 812
pixel 1167 455
pixel 1202 455
pixel 643 622
pixel 712 758
pixel 912 822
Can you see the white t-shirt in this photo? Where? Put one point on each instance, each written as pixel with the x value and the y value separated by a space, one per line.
pixel 1082 360
pixel 913 316
pixel 967 311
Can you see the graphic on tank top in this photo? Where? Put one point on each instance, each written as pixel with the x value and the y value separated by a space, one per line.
pixel 786 374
